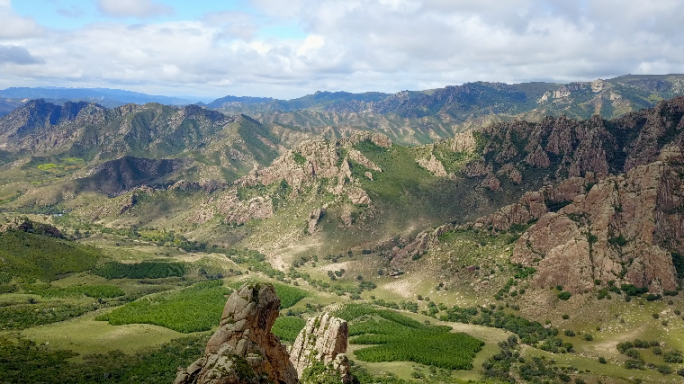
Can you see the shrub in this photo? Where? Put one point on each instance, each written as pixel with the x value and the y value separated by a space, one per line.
pixel 633 353
pixel 569 333
pixel 588 337
pixel 634 364
pixel 631 290
pixel 602 360
pixel 664 369
pixel 564 295
pixel 566 317
pixel 673 357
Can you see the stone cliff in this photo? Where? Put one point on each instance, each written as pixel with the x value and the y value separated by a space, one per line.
pixel 243 350
pixel 324 340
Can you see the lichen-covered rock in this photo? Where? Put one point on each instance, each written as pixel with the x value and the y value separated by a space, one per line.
pixel 323 340
pixel 243 350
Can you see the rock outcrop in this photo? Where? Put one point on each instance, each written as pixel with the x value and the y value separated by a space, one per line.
pixel 620 228
pixel 324 340
pixel 624 229
pixel 433 165
pixel 243 350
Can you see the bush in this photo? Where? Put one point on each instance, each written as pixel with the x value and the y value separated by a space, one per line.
pixel 602 360
pixel 673 357
pixel 564 295
pixel 569 333
pixel 634 364
pixel 631 290
pixel 588 337
pixel 633 353
pixel 664 369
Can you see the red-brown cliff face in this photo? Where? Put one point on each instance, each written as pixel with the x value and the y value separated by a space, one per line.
pixel 623 229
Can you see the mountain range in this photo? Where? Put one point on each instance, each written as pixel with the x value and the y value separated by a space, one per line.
pixel 544 220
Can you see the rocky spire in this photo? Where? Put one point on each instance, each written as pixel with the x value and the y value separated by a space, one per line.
pixel 243 350
pixel 324 340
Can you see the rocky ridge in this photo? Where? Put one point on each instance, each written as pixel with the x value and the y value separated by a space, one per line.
pixel 615 211
pixel 305 164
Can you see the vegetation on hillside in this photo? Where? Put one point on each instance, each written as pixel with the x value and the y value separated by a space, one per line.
pixel 399 338
pixel 194 309
pixel 46 258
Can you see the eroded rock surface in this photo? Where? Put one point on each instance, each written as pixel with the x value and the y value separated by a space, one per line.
pixel 324 340
pixel 243 350
pixel 623 229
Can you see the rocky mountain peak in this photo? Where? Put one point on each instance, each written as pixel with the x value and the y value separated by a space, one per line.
pixel 243 350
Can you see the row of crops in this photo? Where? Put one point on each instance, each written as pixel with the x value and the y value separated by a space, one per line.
pixel 395 337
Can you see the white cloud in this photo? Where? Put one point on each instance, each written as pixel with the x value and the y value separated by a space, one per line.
pixel 11 54
pixel 310 44
pixel 357 45
pixel 13 26
pixel 133 8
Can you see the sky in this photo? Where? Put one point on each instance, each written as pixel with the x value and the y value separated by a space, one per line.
pixel 286 49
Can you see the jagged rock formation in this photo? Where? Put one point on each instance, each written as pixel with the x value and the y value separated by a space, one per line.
pixel 623 229
pixel 324 340
pixel 243 350
pixel 303 165
pixel 433 166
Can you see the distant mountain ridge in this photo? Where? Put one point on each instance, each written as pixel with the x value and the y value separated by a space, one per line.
pixel 104 96
pixel 608 98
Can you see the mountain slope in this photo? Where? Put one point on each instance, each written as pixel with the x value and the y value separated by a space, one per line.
pixel 612 210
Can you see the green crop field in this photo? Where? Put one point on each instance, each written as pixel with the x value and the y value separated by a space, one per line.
pixel 194 309
pixel 399 338
pixel 27 362
pixel 22 316
pixel 144 270
pixel 288 327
